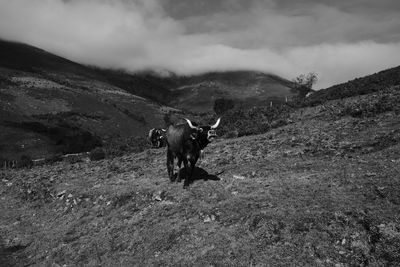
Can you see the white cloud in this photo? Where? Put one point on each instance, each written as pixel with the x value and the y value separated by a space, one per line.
pixel 138 34
pixel 337 63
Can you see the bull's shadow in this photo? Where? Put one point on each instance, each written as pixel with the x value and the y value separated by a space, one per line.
pixel 199 174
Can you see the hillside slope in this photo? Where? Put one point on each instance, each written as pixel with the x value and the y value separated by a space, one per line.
pixel 322 190
pixel 50 105
pixel 23 57
pixel 359 86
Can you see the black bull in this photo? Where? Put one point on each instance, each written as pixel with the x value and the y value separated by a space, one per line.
pixel 185 142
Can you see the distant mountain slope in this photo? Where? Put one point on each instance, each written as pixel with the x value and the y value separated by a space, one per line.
pixel 199 92
pixel 24 57
pixel 359 86
pixel 142 84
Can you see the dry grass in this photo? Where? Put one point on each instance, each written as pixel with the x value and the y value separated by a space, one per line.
pixel 316 192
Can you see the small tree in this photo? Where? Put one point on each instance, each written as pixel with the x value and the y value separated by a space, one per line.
pixel 25 162
pixel 97 154
pixel 222 105
pixel 304 83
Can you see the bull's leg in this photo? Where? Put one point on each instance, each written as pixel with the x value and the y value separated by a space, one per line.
pixel 179 178
pixel 192 166
pixel 185 165
pixel 170 165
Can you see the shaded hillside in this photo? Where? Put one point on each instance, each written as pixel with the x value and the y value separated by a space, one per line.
pixel 323 190
pixel 24 57
pixel 52 93
pixel 359 86
pixel 143 84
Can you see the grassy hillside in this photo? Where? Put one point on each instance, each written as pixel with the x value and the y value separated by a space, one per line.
pixel 359 86
pixel 54 99
pixel 322 190
pixel 50 105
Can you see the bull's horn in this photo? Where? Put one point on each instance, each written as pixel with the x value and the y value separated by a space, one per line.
pixel 190 124
pixel 151 132
pixel 216 124
pixel 163 130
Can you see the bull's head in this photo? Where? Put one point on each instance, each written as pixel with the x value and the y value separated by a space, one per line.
pixel 207 131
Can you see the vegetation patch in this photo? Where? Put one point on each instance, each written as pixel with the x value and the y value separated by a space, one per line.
pixel 97 154
pixel 68 138
pixel 254 120
pixel 121 146
pixel 61 116
pixel 7 97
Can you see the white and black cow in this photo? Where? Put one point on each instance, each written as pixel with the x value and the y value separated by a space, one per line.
pixel 157 137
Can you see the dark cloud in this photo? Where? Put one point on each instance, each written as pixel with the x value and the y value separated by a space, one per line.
pixel 339 40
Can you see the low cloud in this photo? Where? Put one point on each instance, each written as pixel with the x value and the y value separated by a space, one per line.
pixel 143 34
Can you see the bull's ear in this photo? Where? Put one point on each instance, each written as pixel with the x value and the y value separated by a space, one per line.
pixel 216 124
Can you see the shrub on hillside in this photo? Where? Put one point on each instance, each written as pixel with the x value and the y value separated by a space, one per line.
pixel 231 134
pixel 119 147
pixel 53 159
pixel 221 105
pixel 366 106
pixel 254 120
pixel 6 81
pixel 73 159
pixel 97 154
pixel 378 105
pixel 76 141
pixel 25 162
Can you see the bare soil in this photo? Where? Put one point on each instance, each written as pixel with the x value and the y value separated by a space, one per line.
pixel 320 191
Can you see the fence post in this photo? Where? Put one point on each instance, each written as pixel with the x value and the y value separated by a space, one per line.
pixel 270 104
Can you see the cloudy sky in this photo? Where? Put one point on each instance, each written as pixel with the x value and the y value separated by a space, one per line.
pixel 339 40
